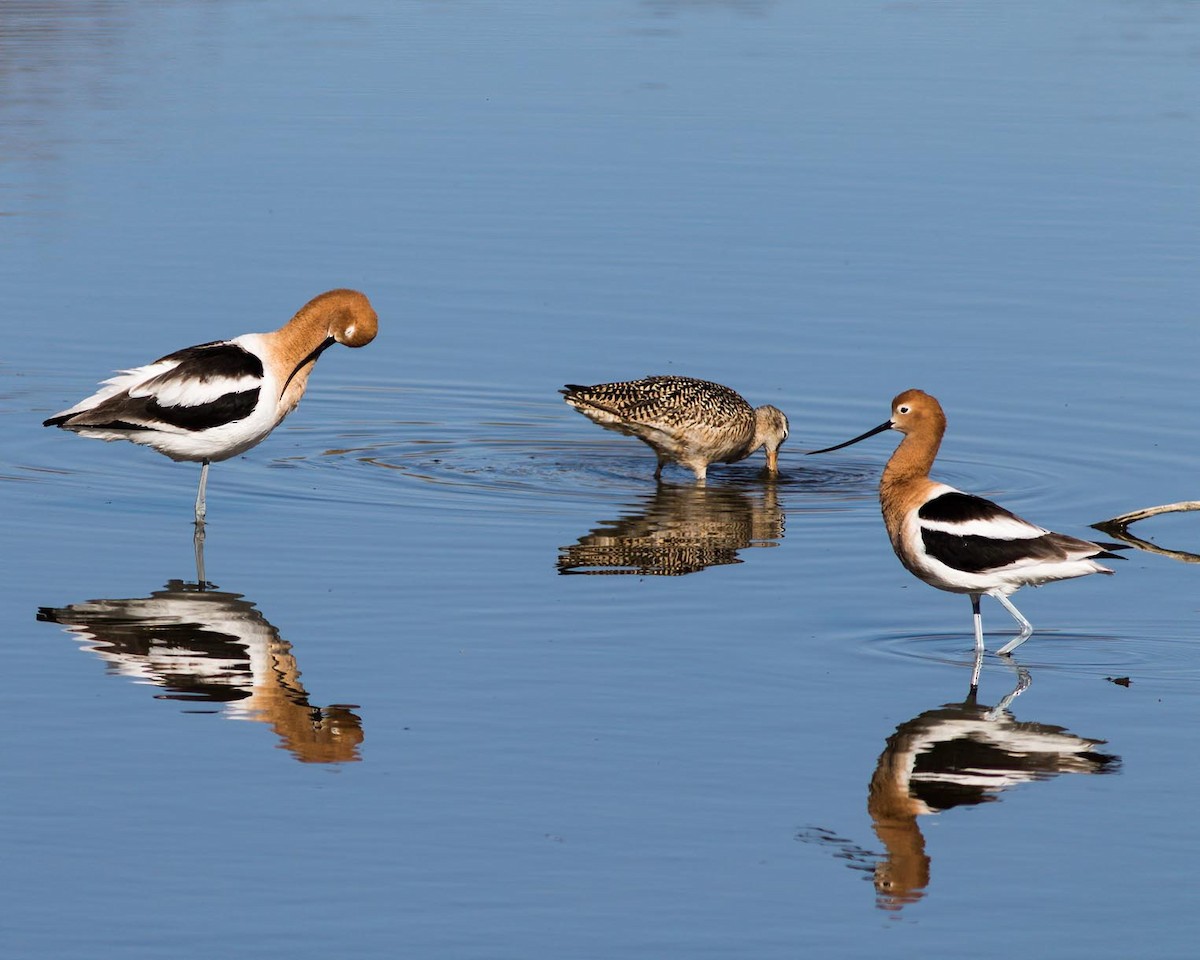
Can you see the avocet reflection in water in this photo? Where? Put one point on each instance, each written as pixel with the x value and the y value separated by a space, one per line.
pixel 955 755
pixel 204 645
pixel 678 530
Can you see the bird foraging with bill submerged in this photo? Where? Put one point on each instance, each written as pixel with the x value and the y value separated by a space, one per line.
pixel 686 421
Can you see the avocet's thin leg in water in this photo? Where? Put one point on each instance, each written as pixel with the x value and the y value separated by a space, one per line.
pixel 1026 626
pixel 201 506
pixel 977 620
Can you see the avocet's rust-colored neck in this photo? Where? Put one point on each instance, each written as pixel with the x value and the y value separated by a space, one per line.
pixel 905 483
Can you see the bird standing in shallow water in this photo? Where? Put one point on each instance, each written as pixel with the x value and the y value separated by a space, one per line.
pixel 691 422
pixel 962 543
pixel 216 400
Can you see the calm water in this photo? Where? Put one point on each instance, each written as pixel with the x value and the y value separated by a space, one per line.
pixel 467 684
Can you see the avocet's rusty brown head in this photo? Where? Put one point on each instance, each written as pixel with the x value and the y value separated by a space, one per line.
pixel 910 410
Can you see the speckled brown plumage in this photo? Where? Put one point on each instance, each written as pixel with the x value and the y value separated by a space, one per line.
pixel 686 421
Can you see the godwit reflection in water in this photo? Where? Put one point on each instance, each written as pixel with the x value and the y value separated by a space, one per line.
pixel 678 530
pixel 959 754
pixel 203 645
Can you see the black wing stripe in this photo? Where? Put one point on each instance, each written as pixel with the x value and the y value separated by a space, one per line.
pixel 975 554
pixel 206 416
pixel 124 412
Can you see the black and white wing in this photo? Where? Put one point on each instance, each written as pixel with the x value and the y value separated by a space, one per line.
pixel 974 535
pixel 197 388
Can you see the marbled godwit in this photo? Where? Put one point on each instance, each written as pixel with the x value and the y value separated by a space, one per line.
pixel 687 421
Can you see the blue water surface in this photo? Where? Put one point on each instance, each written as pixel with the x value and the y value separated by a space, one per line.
pixel 462 680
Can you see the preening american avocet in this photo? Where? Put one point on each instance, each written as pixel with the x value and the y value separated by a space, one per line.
pixel 216 400
pixel 958 542
pixel 686 421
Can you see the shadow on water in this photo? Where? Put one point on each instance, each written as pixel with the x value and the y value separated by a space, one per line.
pixel 678 530
pixel 954 755
pixel 203 645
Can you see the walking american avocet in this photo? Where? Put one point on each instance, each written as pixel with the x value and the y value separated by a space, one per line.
pixel 690 422
pixel 958 542
pixel 216 400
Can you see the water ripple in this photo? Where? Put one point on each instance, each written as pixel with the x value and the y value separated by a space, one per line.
pixel 506 446
pixel 501 444
pixel 494 444
pixel 1154 657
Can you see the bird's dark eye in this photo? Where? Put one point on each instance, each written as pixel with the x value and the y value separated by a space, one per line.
pixel 903 409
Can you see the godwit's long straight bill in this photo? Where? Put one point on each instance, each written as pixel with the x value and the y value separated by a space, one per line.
pixel 959 542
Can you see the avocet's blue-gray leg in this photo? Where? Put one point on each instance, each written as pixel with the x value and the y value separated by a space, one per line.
pixel 1026 626
pixel 200 504
pixel 977 620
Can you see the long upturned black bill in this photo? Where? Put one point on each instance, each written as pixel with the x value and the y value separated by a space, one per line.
pixel 886 425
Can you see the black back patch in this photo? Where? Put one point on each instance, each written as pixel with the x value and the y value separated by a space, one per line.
pixel 956 507
pixel 219 359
